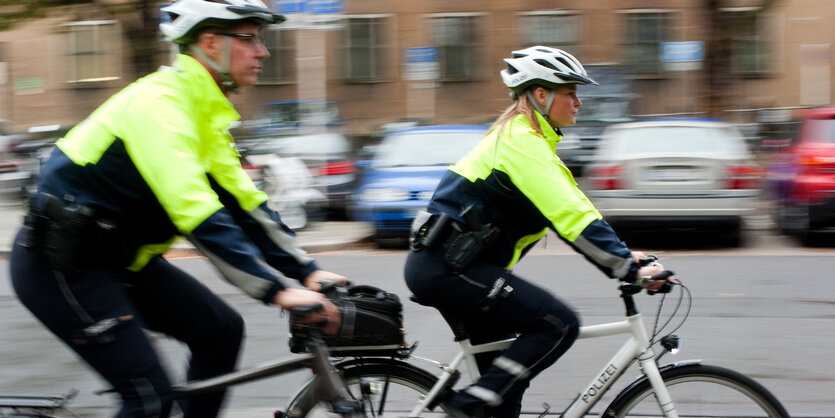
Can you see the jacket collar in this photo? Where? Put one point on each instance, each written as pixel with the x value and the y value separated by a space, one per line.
pixel 551 135
pixel 218 110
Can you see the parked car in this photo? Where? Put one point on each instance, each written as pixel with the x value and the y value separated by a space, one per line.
pixel 328 157
pixel 674 173
pixel 802 177
pixel 404 172
pixel 603 105
pixel 292 117
pixel 288 185
pixel 18 166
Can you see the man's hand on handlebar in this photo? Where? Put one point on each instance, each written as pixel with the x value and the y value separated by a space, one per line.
pixel 292 297
pixel 313 280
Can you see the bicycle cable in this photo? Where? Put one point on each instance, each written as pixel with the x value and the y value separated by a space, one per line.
pixel 656 330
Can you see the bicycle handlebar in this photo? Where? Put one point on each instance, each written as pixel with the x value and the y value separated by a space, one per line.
pixel 647 281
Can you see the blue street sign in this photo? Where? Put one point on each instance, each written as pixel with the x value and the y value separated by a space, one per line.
pixel 308 6
pixel 421 54
pixel 287 6
pixel 682 51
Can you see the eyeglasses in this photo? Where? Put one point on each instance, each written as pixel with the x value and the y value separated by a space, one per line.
pixel 247 38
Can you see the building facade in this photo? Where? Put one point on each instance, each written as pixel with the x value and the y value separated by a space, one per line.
pixel 439 61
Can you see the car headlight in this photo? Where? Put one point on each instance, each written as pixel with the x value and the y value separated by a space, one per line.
pixel 384 195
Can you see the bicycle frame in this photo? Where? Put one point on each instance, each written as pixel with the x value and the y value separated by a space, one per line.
pixel 327 386
pixel 636 347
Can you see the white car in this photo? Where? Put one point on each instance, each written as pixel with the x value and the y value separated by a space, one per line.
pixel 674 173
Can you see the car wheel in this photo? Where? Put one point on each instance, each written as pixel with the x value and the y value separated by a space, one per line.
pixel 793 219
pixel 734 238
pixel 797 223
pixel 390 239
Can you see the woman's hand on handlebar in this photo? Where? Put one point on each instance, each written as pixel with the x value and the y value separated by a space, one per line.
pixel 650 268
pixel 292 297
pixel 314 280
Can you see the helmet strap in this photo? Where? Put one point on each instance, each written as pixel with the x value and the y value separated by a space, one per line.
pixel 548 104
pixel 221 68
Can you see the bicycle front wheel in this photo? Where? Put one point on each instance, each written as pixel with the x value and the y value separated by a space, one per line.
pixel 400 386
pixel 700 391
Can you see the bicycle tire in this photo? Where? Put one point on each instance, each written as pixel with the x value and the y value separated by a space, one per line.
pixel 407 385
pixel 699 391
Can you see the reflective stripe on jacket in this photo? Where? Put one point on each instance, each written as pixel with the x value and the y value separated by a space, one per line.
pixel 517 182
pixel 158 158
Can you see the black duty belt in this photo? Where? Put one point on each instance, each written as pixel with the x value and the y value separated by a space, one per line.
pixel 69 236
pixel 461 246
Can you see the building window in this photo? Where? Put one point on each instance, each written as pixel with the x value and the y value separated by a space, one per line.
pixel 556 29
pixel 278 68
pixel 645 31
pixel 459 51
pixel 365 48
pixel 750 52
pixel 94 51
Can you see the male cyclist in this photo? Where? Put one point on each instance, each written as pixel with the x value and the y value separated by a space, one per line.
pixel 151 164
pixel 489 209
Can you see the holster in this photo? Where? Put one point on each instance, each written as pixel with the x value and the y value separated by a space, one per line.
pixel 428 229
pixel 460 246
pixel 68 236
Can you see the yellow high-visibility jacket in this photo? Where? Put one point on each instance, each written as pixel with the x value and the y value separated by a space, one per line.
pixel 516 181
pixel 157 159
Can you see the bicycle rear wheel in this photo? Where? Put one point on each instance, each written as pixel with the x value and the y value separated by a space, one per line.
pixel 402 385
pixel 700 391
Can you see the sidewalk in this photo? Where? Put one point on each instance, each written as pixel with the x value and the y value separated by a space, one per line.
pixel 316 237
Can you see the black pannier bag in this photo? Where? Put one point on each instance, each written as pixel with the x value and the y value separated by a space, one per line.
pixel 372 323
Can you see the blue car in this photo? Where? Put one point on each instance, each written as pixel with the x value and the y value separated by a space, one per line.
pixel 404 172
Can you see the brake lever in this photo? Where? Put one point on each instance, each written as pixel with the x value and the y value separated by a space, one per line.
pixel 667 287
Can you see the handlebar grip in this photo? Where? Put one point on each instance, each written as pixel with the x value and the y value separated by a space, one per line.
pixel 664 275
pixel 667 287
pixel 649 259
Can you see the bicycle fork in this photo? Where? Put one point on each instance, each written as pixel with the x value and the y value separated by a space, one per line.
pixel 635 348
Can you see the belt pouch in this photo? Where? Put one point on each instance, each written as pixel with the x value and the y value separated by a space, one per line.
pixel 64 234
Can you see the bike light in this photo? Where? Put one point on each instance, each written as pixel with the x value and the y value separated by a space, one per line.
pixel 671 343
pixel 370 386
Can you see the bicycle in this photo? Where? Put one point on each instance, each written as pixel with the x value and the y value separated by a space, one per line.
pixel 324 388
pixel 376 385
pixel 679 389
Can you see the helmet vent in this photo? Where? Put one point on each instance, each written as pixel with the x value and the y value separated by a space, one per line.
pixel 545 63
pixel 511 69
pixel 565 62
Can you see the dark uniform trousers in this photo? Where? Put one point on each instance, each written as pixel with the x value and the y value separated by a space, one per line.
pixel 102 314
pixel 490 303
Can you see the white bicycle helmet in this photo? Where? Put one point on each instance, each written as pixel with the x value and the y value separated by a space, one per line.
pixel 544 66
pixel 188 16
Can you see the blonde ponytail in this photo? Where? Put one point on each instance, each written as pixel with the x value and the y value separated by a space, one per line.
pixel 520 106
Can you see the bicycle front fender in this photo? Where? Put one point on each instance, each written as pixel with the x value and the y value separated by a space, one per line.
pixel 643 378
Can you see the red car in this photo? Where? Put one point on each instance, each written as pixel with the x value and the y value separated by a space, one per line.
pixel 803 177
